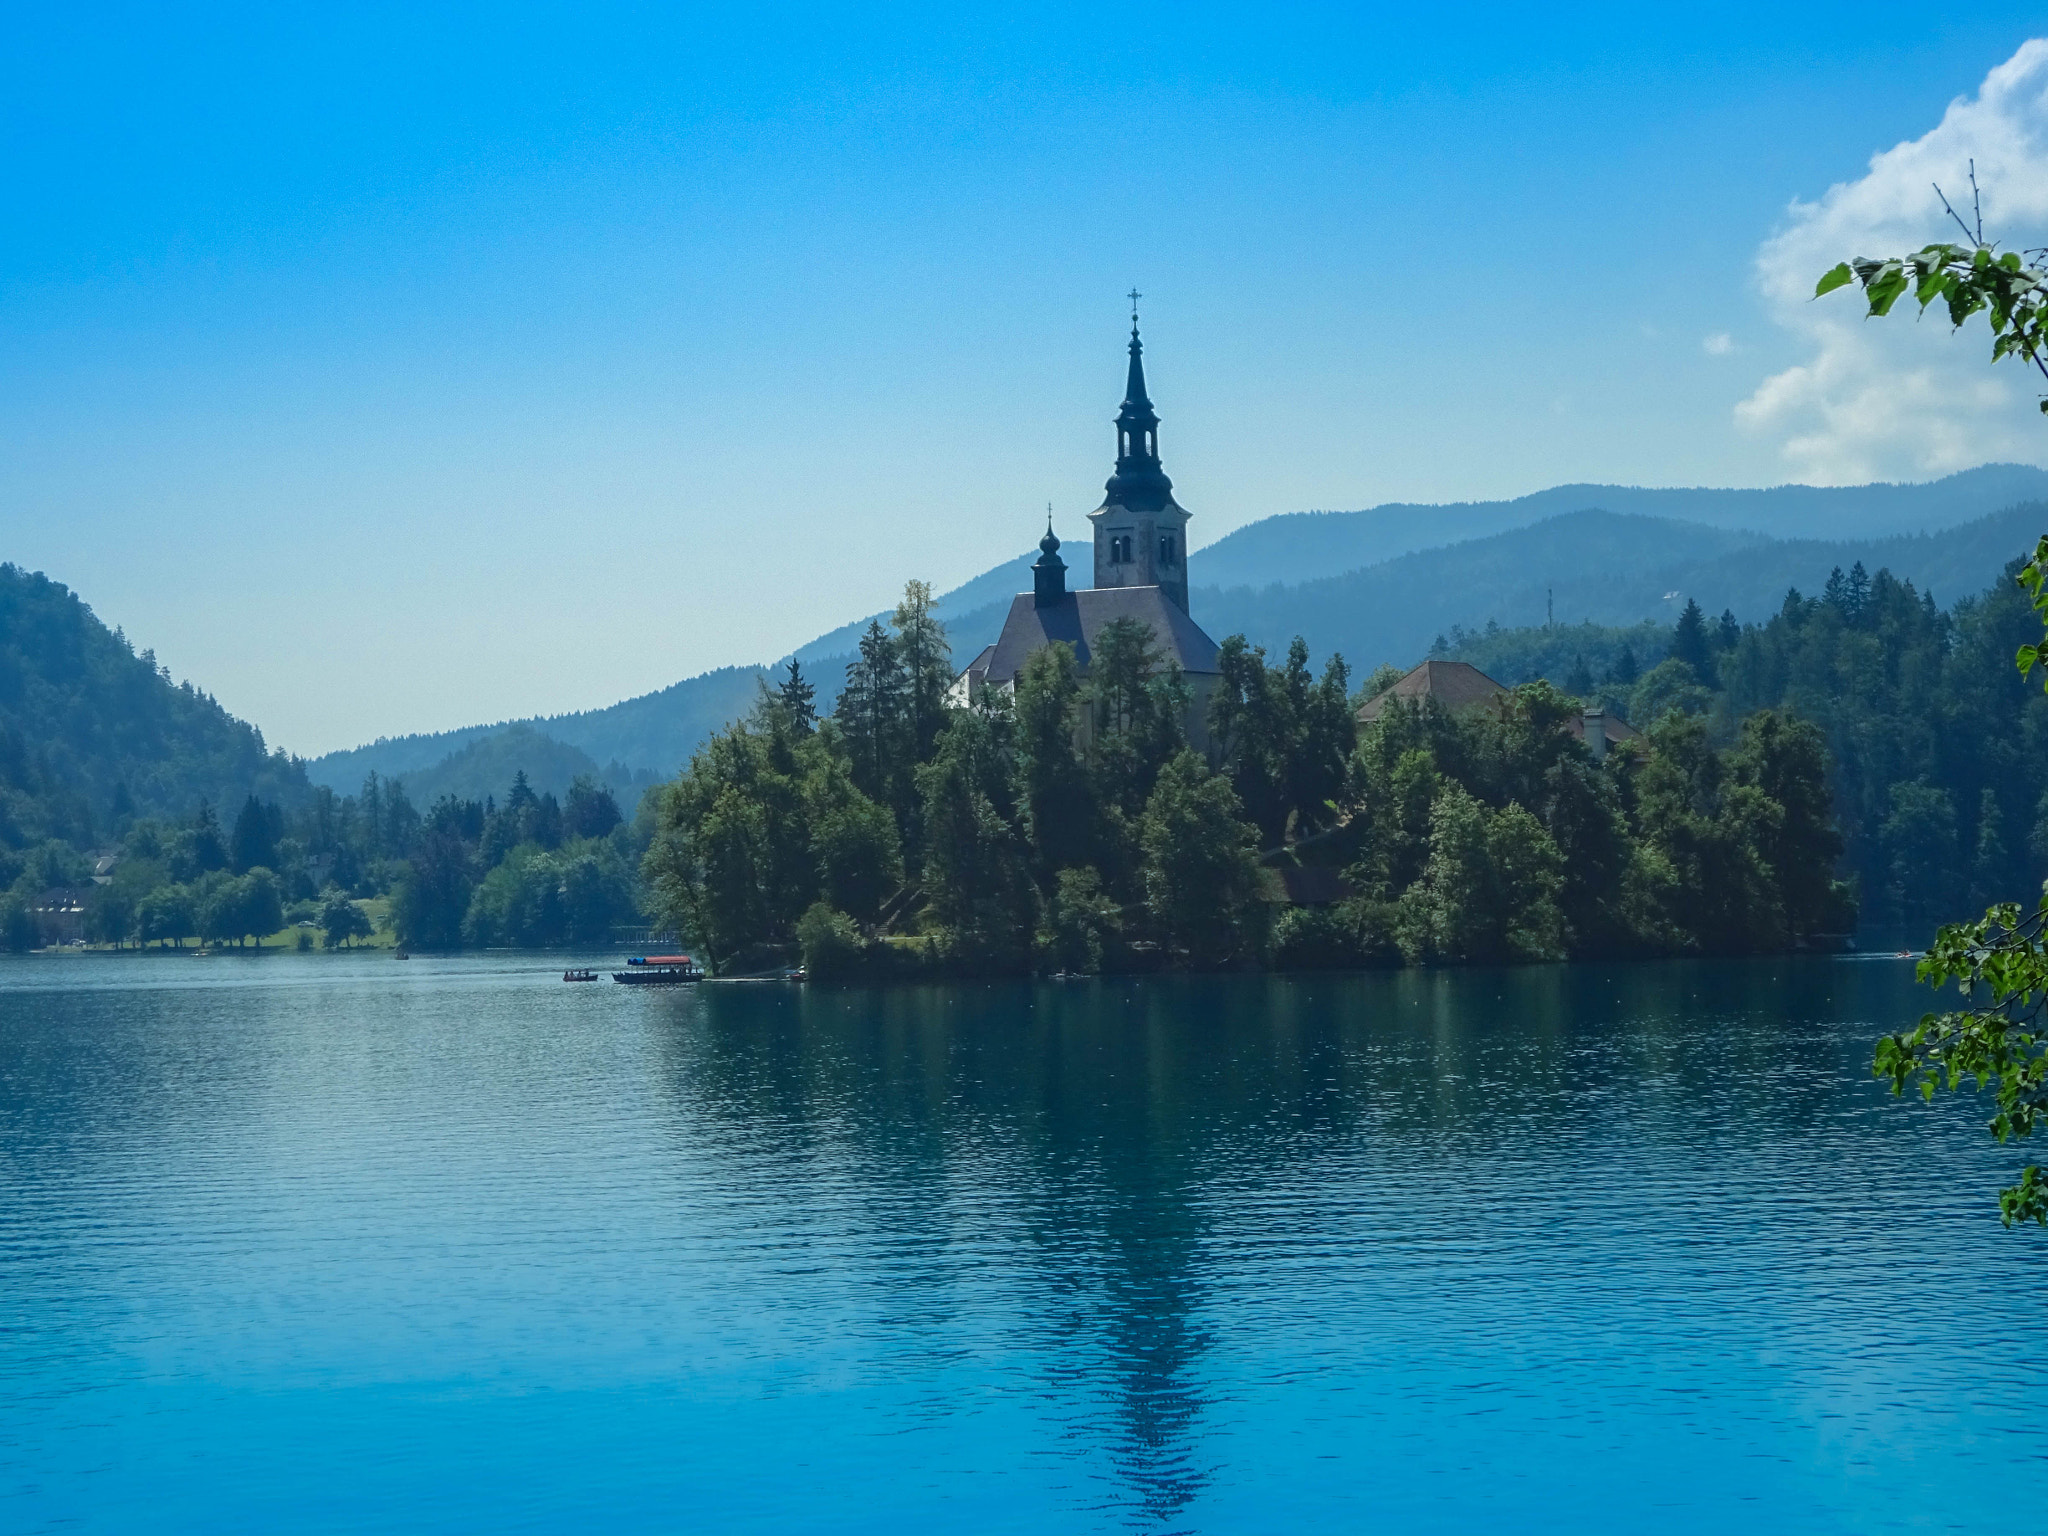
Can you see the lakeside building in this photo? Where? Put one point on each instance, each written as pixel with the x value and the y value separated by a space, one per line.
pixel 1140 572
pixel 1459 686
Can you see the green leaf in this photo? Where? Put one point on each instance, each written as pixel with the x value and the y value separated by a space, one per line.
pixel 1837 276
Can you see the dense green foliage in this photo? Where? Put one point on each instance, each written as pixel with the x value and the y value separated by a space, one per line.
pixel 1070 827
pixel 93 735
pixel 1972 279
pixel 1493 834
pixel 2000 965
pixel 1997 1042
pixel 530 872
pixel 1936 810
pixel 1067 828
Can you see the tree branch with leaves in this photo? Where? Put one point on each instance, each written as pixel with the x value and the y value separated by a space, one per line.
pixel 2009 288
pixel 1999 962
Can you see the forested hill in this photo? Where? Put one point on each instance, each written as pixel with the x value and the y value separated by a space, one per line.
pixel 90 731
pixel 1282 548
pixel 1605 567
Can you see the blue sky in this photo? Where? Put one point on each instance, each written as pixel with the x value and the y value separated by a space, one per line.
pixel 390 373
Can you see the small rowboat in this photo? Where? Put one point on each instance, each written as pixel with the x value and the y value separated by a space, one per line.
pixel 579 975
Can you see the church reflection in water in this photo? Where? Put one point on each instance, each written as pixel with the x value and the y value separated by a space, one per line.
pixel 1061 1147
pixel 1052 1195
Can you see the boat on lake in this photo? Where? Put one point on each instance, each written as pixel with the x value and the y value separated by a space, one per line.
pixel 659 971
pixel 579 975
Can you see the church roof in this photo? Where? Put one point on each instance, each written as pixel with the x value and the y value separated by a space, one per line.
pixel 1453 684
pixel 1079 616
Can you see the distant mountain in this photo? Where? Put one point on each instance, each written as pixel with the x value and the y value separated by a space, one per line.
pixel 89 729
pixel 1282 548
pixel 1609 551
pixel 1605 567
pixel 486 766
pixel 653 734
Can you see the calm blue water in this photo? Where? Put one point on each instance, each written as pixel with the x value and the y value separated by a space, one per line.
pixel 330 1244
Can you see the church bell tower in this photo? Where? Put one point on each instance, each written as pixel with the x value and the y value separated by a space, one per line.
pixel 1140 530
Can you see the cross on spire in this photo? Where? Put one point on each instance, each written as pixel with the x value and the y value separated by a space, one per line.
pixel 1135 296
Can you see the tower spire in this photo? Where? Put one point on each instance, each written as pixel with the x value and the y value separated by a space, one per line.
pixel 1135 399
pixel 1048 571
pixel 1140 531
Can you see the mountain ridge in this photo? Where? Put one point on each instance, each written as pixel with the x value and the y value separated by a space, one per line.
pixel 656 732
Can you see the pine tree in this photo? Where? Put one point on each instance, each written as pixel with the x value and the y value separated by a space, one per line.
pixel 1689 642
pixel 798 696
pixel 1836 593
pixel 927 665
pixel 255 837
pixel 872 711
pixel 1858 593
pixel 1053 789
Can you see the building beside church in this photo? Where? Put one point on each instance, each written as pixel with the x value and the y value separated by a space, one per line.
pixel 1459 686
pixel 1140 572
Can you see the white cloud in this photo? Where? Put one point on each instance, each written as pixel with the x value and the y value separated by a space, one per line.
pixel 1720 344
pixel 1896 398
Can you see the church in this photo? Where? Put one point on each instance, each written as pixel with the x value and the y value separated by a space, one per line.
pixel 1141 572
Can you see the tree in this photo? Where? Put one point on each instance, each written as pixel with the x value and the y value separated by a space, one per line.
pixel 207 851
pixel 1284 737
pixel 1079 923
pixel 432 895
pixel 1689 642
pixel 2002 958
pixel 17 925
pixel 255 838
pixel 590 810
pixel 1489 889
pixel 109 915
pixel 166 913
pixel 1201 872
pixel 1056 798
pixel 1139 705
pixel 1970 280
pixel 927 665
pixel 978 894
pixel 873 713
pixel 342 920
pixel 1787 760
pixel 829 942
pixel 1249 722
pixel 1998 1043
pixel 860 859
pixel 734 860
pixel 798 696
pixel 259 904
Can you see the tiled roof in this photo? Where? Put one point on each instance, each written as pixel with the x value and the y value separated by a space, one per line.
pixel 1080 616
pixel 1453 684
pixel 1460 685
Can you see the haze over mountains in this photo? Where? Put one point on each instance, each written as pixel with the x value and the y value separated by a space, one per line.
pixel 1377 585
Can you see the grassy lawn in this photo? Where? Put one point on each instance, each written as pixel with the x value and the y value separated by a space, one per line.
pixel 376 908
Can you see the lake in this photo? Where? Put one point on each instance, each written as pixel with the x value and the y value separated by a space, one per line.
pixel 321 1243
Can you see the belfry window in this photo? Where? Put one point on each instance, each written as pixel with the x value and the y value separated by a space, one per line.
pixel 1166 549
